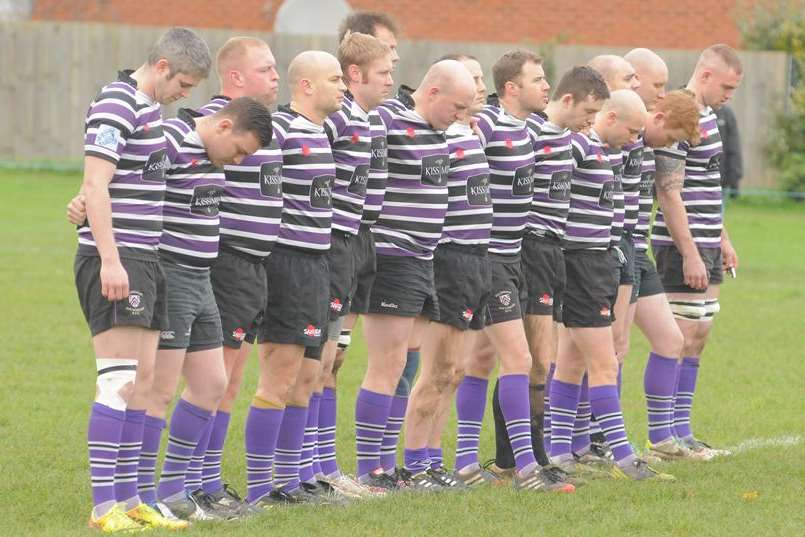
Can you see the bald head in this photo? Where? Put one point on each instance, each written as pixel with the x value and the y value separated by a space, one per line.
pixel 616 72
pixel 622 118
pixel 446 90
pixel 448 75
pixel 316 83
pixel 625 103
pixel 652 72
pixel 309 64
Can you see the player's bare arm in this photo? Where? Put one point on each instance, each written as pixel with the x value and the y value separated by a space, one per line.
pixel 669 178
pixel 97 176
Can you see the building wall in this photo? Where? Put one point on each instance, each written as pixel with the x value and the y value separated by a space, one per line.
pixel 683 24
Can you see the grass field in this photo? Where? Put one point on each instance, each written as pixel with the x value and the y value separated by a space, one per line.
pixel 751 387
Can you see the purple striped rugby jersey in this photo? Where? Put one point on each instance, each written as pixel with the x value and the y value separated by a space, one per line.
pixel 411 219
pixel 616 163
pixel 641 230
pixel 592 189
pixel 553 169
pixel 632 172
pixel 509 149
pixel 469 203
pixel 124 126
pixel 349 133
pixel 701 191
pixel 308 174
pixel 251 202
pixel 193 187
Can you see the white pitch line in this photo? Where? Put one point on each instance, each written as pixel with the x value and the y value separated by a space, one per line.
pixel 759 443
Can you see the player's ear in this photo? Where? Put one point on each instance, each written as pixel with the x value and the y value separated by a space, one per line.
pixel 224 125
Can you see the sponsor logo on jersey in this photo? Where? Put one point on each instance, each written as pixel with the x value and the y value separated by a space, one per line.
pixel 271 179
pixel 523 183
pixel 435 169
pixel 205 200
pixel 559 189
pixel 478 190
pixel 321 189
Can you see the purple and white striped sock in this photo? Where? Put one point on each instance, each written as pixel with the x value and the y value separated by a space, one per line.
pixel 262 429
pixel 564 401
pixel 658 384
pixel 470 407
pixel 606 405
pixel 186 427
pixel 371 415
pixel 516 410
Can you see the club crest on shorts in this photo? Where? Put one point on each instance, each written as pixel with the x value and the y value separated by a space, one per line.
pixel 336 305
pixel 505 298
pixel 467 314
pixel 134 303
pixel 605 312
pixel 546 299
pixel 312 331
pixel 239 334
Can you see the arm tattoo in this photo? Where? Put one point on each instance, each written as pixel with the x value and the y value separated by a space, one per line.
pixel 670 173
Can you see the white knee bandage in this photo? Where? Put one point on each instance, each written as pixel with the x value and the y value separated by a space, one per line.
pixel 344 339
pixel 691 310
pixel 711 307
pixel 113 375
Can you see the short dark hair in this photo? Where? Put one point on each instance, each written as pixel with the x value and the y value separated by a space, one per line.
pixel 249 115
pixel 365 22
pixel 581 81
pixel 509 67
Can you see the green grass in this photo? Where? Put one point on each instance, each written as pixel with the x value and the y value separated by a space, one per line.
pixel 751 386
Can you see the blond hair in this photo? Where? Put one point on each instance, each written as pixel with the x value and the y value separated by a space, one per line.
pixel 361 50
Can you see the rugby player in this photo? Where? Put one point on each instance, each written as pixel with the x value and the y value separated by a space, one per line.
pixel 382 27
pixel 462 277
pixel 191 346
pixel 577 98
pixel 690 243
pixel 406 234
pixel 669 120
pixel 295 320
pixel 585 340
pixel 508 144
pixel 366 64
pixel 250 211
pixel 120 284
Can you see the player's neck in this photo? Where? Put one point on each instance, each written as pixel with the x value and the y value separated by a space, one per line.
pixel 360 99
pixel 308 111
pixel 697 95
pixel 511 107
pixel 554 114
pixel 144 76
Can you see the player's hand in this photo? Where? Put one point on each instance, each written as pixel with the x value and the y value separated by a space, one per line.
pixel 694 271
pixel 728 255
pixel 474 126
pixel 114 281
pixel 77 210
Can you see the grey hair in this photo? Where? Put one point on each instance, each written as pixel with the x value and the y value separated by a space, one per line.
pixel 185 51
